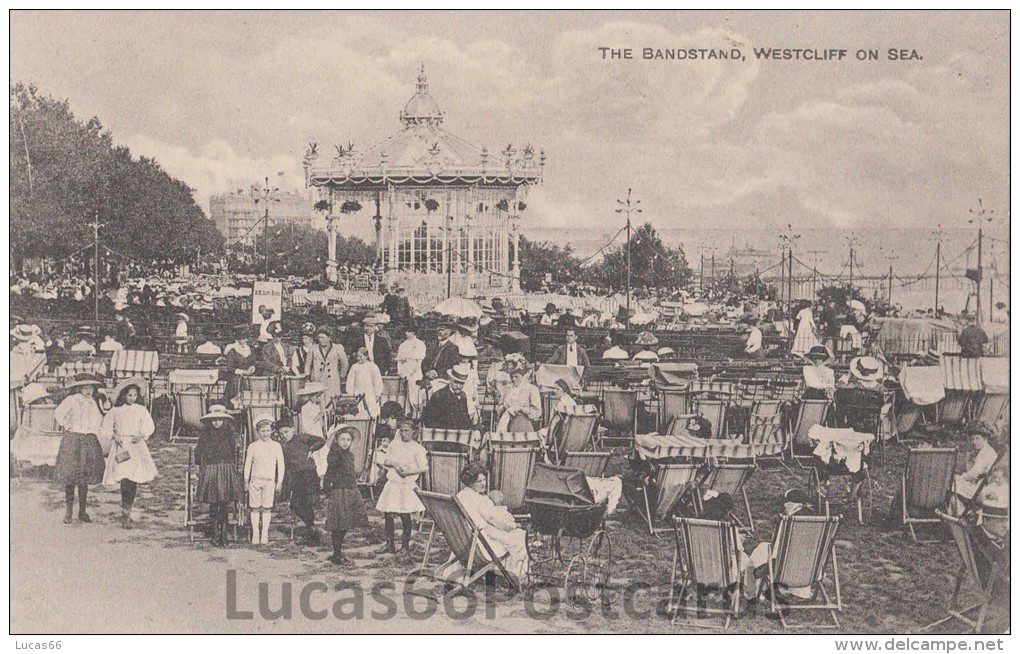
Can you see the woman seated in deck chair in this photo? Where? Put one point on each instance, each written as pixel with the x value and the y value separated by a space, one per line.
pixel 495 522
pixel 522 401
pixel 795 502
pixel 986 448
pixel 563 402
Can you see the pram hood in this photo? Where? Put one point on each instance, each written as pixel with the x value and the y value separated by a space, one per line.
pixel 558 485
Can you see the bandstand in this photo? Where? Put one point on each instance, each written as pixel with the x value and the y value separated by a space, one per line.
pixel 446 212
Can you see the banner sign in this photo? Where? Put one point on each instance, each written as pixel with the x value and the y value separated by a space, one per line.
pixel 266 302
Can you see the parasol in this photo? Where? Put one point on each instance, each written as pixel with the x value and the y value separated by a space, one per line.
pixel 457 307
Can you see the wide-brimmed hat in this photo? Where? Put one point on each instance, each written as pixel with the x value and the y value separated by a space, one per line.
pixel 83 379
pixel 467 324
pixel 866 368
pixel 25 332
pixel 183 316
pixel 33 392
pixel 140 382
pixel 370 320
pixel 447 323
pixel 459 373
pixel 818 352
pixel 616 353
pixel 646 338
pixel 646 355
pixel 796 496
pixel 665 351
pixel 308 329
pixel 217 412
pixel 467 349
pixel 311 388
pixel 857 305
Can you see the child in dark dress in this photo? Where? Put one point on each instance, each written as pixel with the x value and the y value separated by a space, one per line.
pixel 219 483
pixel 344 506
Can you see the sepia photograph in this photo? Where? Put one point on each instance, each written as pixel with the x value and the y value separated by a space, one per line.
pixel 560 322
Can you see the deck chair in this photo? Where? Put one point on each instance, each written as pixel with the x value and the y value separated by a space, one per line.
pixel 443 473
pixel 510 471
pixel 673 402
pixel 670 481
pixel 767 432
pixel 394 390
pixel 732 479
pixel 187 412
pixel 449 440
pixel 798 555
pixel 992 407
pixel 705 556
pixel 983 576
pixel 785 390
pixel 466 543
pixel 40 417
pixel 191 521
pixel 619 414
pixel 574 431
pixel 765 408
pixel 361 445
pixel 592 464
pixel 713 410
pixel 809 414
pixel 260 384
pixel 927 480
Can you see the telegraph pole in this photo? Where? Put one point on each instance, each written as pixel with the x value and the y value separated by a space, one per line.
pixel 629 208
pixel 95 261
pixel 982 215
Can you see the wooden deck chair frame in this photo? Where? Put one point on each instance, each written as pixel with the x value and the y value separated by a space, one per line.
pixel 395 390
pixel 185 401
pixel 40 416
pixel 991 408
pixel 809 414
pixel 969 567
pixel 714 410
pixel 365 427
pixel 705 554
pixel 953 409
pixel 619 420
pixel 510 470
pixel 460 438
pixel 261 384
pixel 732 479
pixel 466 542
pixel 672 402
pixel 765 431
pixel 671 481
pixel 190 523
pixel 592 464
pixel 790 565
pixel 576 434
pixel 928 478
pixel 438 475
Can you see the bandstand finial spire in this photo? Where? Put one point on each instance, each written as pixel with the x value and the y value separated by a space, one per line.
pixel 423 82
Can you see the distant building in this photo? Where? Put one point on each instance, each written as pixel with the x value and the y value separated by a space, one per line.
pixel 236 214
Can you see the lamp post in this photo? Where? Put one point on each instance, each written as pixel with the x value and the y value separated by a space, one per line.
pixel 265 196
pixel 628 208
pixel 787 240
pixel 979 217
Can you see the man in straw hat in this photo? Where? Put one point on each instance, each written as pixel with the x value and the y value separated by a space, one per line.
pixel 447 408
pixel 437 364
pixel 865 372
pixel 80 457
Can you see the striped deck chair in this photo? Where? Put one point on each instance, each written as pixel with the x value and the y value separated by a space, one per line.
pixel 510 472
pixel 40 417
pixel 731 479
pixel 713 410
pixel 619 414
pixel 962 380
pixel 673 402
pixel 925 484
pixel 719 387
pixel 768 431
pixel 186 418
pixel 450 440
pixel 394 390
pixel 443 473
pixel 800 552
pixel 973 564
pixel 361 445
pixel 678 425
pixel 466 542
pixel 264 385
pixel 809 414
pixel 592 464
pixel 765 408
pixel 574 431
pixel 992 408
pixel 705 557
pixel 785 390
pixel 671 480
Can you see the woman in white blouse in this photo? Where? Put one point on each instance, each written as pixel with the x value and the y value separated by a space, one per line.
pixel 522 403
pixel 80 457
pixel 500 529
pixel 128 425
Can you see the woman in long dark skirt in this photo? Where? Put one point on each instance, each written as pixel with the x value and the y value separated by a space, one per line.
pixel 344 507
pixel 80 459
pixel 238 361
pixel 219 483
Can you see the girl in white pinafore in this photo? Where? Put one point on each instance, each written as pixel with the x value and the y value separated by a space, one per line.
pixel 128 425
pixel 405 460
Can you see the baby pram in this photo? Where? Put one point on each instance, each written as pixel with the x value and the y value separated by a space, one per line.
pixel 567 541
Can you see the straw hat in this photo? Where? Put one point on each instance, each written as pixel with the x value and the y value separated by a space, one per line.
pixel 866 368
pixel 646 355
pixel 217 412
pixel 616 353
pixel 25 332
pixel 33 392
pixel 857 305
pixel 818 352
pixel 665 351
pixel 141 383
pixel 459 373
pixel 308 329
pixel 183 316
pixel 370 320
pixel 646 339
pixel 83 379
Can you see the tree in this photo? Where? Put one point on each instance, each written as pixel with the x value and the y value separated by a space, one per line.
pixel 64 171
pixel 538 259
pixel 755 286
pixel 653 264
pixel 839 294
pixel 301 251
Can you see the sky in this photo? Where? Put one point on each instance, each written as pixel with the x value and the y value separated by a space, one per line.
pixel 222 99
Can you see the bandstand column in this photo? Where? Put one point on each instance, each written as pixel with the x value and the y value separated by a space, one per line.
pixel 515 273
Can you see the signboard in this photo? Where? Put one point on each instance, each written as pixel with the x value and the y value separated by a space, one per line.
pixel 266 302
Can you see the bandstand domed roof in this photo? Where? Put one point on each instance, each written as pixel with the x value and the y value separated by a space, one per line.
pixel 424 152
